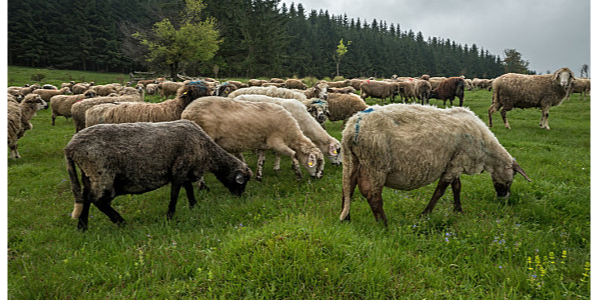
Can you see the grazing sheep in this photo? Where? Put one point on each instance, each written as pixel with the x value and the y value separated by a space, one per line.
pixel 256 82
pixel 328 145
pixel 355 83
pixel 169 88
pixel 129 112
pixel 240 126
pixel 79 109
pixel 422 90
pixel 379 89
pixel 405 147
pixel 448 89
pixel 317 108
pixel 238 84
pixel 19 115
pixel 20 92
pixel 524 91
pixel 406 89
pixel 339 84
pixel 274 84
pixel 135 158
pixel 104 90
pixel 344 90
pixel 151 88
pixel 276 80
pixel 580 86
pixel 46 94
pixel 343 106
pixel 295 84
pixel 269 91
pixel 69 84
pixel 319 90
pixel 61 104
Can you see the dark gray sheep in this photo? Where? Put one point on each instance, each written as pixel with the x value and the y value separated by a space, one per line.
pixel 134 158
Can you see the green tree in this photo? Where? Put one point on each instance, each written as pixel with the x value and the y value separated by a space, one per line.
pixel 339 54
pixel 192 40
pixel 514 63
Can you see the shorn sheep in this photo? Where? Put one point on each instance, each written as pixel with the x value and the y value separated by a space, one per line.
pixel 129 112
pixel 240 126
pixel 524 91
pixel 408 146
pixel 448 89
pixel 135 158
pixel 19 115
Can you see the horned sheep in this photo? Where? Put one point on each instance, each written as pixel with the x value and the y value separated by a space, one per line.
pixel 134 158
pixel 405 147
pixel 240 126
pixel 19 115
pixel 525 91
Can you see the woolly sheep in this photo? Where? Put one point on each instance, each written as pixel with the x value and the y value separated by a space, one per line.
pixel 317 108
pixel 580 86
pixel 256 82
pixel 79 109
pixel 319 90
pixel 129 112
pixel 269 91
pixel 240 126
pixel 448 89
pixel 47 94
pixel 328 145
pixel 343 106
pixel 61 104
pixel 19 116
pixel 295 84
pixel 405 147
pixel 169 88
pixel 379 89
pixel 422 90
pixel 135 158
pixel 339 84
pixel 524 91
pixel 20 92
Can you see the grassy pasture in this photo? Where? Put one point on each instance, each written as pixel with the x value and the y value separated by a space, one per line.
pixel 283 238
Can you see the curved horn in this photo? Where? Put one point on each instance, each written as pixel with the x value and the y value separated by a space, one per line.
pixel 519 170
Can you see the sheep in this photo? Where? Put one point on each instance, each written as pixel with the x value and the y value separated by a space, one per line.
pixel 408 146
pixel 225 89
pixel 406 89
pixel 343 106
pixel 319 90
pixel 19 116
pixel 328 145
pixel 129 112
pixel 239 126
pixel 61 104
pixel 238 84
pixel 580 86
pixel 79 109
pixel 344 90
pixel 69 84
pixel 46 94
pixel 422 90
pixel 317 108
pixel 435 81
pixel 135 158
pixel 151 88
pixel 295 84
pixel 169 88
pixel 339 84
pixel 20 92
pixel 379 89
pixel 48 86
pixel 448 89
pixel 80 88
pixel 525 91
pixel 104 90
pixel 355 83
pixel 274 84
pixel 269 91
pixel 256 82
pixel 276 80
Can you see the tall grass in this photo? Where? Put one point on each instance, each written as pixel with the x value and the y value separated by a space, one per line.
pixel 283 238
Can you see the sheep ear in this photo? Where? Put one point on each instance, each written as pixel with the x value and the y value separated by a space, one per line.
pixel 519 170
pixel 333 151
pixel 312 160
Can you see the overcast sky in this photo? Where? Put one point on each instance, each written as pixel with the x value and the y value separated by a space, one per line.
pixel 550 34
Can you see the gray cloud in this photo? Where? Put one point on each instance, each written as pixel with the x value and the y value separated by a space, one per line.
pixel 550 34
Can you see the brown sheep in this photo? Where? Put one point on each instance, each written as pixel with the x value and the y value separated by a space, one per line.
pixel 47 94
pixel 525 91
pixel 379 89
pixel 295 84
pixel 256 82
pixel 422 90
pixel 344 106
pixel 19 116
pixel 448 89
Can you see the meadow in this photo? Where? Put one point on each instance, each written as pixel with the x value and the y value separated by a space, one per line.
pixel 283 239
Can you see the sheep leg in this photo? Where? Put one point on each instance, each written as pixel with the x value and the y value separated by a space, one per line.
pixel 53 118
pixel 439 192
pixel 175 187
pixel 544 121
pixel 493 108
pixel 456 185
pixel 259 165
pixel 277 164
pixel 504 119
pixel 189 191
pixel 373 194
pixel 282 148
pixel 103 205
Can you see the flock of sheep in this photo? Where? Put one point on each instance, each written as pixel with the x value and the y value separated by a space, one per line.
pixel 124 145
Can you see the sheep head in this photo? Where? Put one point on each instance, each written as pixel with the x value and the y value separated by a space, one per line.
pixel 564 77
pixel 503 176
pixel 312 160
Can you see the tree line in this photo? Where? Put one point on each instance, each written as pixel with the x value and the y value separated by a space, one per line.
pixel 257 38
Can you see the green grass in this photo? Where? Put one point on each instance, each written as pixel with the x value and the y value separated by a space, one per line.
pixel 283 238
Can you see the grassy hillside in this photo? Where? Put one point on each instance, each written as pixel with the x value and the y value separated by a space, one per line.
pixel 283 238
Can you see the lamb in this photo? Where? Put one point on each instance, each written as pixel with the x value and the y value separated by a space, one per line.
pixel 328 145
pixel 422 90
pixel 47 94
pixel 525 91
pixel 448 89
pixel 240 126
pixel 129 112
pixel 269 91
pixel 19 116
pixel 79 109
pixel 135 158
pixel 61 104
pixel 405 147
pixel 379 89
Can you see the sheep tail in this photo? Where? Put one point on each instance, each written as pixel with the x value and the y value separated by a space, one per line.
pixel 75 187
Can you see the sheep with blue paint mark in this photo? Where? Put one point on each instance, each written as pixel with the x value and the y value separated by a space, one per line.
pixel 408 146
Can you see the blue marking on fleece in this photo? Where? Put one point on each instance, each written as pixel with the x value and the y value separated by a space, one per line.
pixel 357 127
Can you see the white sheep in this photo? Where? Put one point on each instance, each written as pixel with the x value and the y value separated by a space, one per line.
pixel 328 145
pixel 240 126
pixel 19 116
pixel 408 146
pixel 270 91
